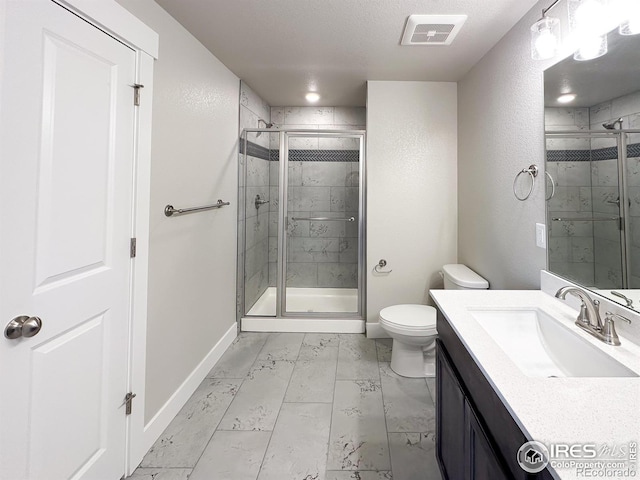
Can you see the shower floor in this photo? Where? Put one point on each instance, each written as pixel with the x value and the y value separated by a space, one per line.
pixel 308 300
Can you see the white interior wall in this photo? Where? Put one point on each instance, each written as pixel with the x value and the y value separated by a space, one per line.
pixel 501 131
pixel 411 189
pixel 192 258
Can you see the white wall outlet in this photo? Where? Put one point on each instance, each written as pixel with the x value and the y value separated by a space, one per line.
pixel 541 235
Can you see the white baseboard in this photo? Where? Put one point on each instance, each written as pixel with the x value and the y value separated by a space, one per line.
pixel 170 409
pixel 374 330
pixel 302 325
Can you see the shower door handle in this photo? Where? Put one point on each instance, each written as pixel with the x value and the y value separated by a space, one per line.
pixel 324 219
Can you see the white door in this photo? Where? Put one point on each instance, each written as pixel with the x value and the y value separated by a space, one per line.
pixel 66 175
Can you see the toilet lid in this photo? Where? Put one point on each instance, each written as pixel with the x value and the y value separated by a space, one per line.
pixel 410 316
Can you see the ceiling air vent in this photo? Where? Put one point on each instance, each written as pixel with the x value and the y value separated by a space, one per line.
pixel 432 29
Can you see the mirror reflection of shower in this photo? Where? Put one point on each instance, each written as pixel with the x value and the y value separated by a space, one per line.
pixel 612 125
pixel 593 155
pixel 266 125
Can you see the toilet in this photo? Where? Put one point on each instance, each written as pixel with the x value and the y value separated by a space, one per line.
pixel 413 327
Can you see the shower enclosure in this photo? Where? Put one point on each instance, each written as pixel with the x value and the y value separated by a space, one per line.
pixel 301 230
pixel 592 207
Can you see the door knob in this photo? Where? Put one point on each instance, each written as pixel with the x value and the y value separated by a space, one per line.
pixel 22 326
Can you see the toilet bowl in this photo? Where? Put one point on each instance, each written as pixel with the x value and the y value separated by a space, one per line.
pixel 413 327
pixel 413 330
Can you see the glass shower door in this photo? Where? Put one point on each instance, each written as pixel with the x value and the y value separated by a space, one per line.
pixel 322 212
pixel 630 147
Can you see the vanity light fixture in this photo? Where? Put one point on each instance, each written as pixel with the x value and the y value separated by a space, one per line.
pixel 545 36
pixel 312 97
pixel 589 21
pixel 566 98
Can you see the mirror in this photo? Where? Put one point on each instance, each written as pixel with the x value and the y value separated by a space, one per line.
pixel 593 167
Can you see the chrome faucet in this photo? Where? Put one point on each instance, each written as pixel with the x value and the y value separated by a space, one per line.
pixel 259 201
pixel 589 309
pixel 589 317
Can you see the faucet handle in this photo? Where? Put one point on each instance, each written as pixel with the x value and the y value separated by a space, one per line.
pixel 609 316
pixel 609 329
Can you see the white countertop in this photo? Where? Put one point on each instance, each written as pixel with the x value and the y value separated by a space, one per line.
pixel 550 410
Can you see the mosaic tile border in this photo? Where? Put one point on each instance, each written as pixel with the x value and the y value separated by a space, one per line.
pixel 255 150
pixel 568 155
pixel 258 151
pixel 319 155
pixel 608 153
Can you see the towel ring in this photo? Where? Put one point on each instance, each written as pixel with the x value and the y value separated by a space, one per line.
pixel 381 264
pixel 553 186
pixel 533 172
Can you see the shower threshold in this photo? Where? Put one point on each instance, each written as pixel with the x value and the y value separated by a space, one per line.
pixel 308 300
pixel 332 301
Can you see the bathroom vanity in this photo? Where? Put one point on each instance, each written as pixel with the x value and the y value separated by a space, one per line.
pixel 477 437
pixel 489 403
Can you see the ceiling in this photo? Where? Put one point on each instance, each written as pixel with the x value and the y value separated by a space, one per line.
pixel 284 48
pixel 610 76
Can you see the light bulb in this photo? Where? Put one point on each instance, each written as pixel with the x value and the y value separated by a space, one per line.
pixel 312 97
pixel 567 98
pixel 591 47
pixel 545 35
pixel 589 14
pixel 590 17
pixel 546 44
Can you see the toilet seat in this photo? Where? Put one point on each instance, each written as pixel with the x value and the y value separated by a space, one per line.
pixel 409 319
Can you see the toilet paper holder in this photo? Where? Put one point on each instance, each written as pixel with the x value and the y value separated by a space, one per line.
pixel 381 264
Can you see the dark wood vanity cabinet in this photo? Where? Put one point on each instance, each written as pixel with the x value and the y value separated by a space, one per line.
pixel 463 450
pixel 477 439
pixel 483 462
pixel 451 424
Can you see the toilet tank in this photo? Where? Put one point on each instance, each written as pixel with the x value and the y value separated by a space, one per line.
pixel 461 277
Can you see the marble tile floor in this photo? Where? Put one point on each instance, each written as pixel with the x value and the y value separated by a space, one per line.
pixel 295 406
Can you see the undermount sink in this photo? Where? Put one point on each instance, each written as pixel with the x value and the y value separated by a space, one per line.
pixel 540 346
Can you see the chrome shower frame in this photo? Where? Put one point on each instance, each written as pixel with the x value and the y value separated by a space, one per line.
pixel 284 137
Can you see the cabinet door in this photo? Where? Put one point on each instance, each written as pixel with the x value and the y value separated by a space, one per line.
pixel 450 420
pixel 482 462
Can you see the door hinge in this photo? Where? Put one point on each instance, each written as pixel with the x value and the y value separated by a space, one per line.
pixel 136 93
pixel 128 400
pixel 132 248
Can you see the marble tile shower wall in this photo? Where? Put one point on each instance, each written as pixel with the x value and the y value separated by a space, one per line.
pixel 633 187
pixel 607 246
pixel 253 224
pixel 626 107
pixel 571 244
pixel 320 254
pixel 591 251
